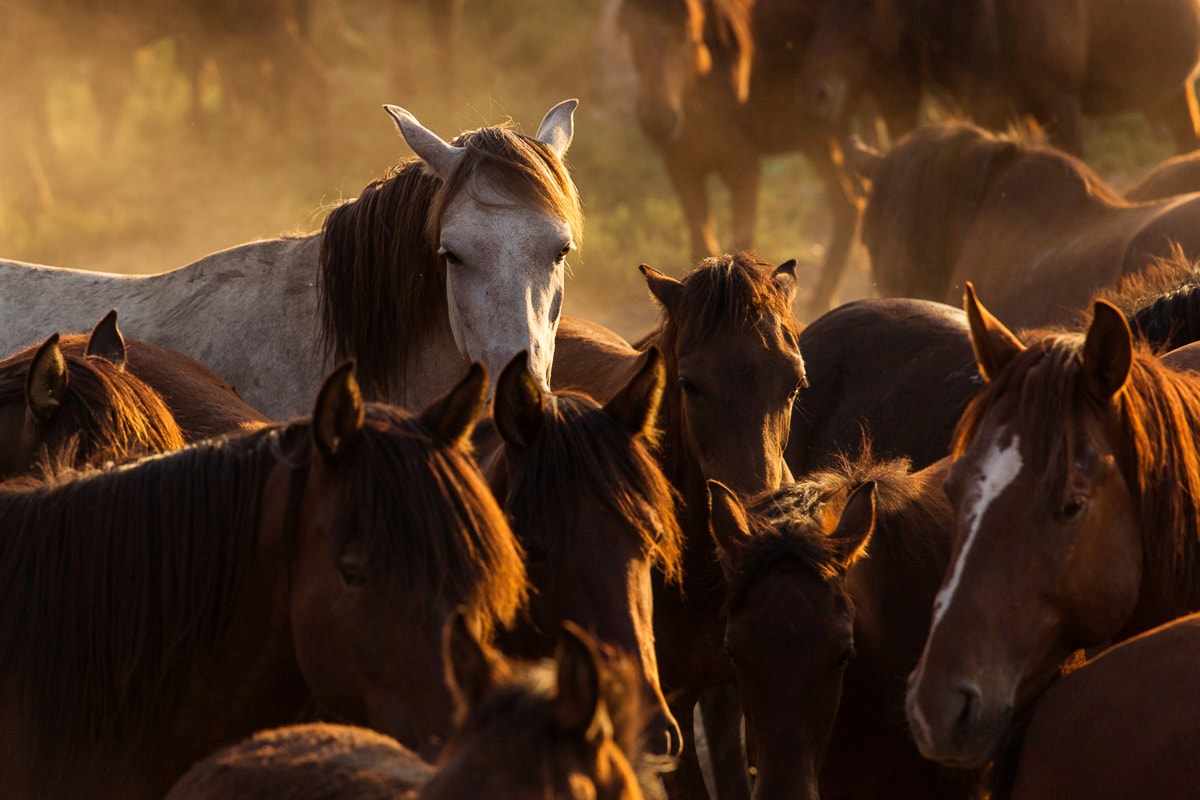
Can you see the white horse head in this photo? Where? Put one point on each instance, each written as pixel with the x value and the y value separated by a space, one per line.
pixel 505 224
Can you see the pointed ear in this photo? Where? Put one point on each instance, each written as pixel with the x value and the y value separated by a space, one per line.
pixel 857 522
pixel 1107 351
pixel 441 156
pixel 337 418
pixel 519 405
pixel 577 696
pixel 46 380
pixel 558 127
pixel 454 414
pixel 994 344
pixel 472 668
pixel 863 159
pixel 636 405
pixel 107 342
pixel 728 525
pixel 785 278
pixel 665 289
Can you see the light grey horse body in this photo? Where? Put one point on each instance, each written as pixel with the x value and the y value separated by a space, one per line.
pixel 253 314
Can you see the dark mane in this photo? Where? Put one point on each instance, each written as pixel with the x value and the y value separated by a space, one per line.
pixel 383 285
pixel 929 186
pixel 1161 302
pixel 581 448
pixel 1159 447
pixel 106 414
pixel 136 569
pixel 723 294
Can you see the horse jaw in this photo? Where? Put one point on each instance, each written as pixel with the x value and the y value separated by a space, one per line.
pixel 508 259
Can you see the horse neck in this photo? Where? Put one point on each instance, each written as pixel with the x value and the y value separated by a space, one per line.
pixel 432 368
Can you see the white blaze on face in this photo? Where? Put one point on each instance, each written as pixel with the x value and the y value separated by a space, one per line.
pixel 998 468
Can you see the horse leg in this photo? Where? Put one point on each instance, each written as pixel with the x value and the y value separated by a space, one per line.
pixel 688 181
pixel 721 713
pixel 845 206
pixel 1180 116
pixel 742 176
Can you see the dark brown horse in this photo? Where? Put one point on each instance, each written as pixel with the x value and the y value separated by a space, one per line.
pixel 1076 491
pixel 1000 60
pixel 1034 229
pixel 1122 725
pixel 716 95
pixel 596 516
pixel 567 728
pixel 1177 175
pixel 201 595
pixel 830 584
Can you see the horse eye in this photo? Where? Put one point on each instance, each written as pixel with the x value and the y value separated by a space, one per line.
pixel 1070 510
pixel 451 257
pixel 563 253
pixel 688 387
pixel 352 574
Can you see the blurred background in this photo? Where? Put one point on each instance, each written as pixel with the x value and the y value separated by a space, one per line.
pixel 140 136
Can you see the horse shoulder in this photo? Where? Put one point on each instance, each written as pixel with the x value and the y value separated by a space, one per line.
pixel 592 359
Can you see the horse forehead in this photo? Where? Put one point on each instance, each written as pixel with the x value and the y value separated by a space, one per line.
pixel 487 214
pixel 766 347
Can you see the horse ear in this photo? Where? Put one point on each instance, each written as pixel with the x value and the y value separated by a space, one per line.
pixel 518 408
pixel 577 693
pixel 472 669
pixel 855 526
pixel 665 289
pixel 785 278
pixel 107 342
pixel 994 344
pixel 558 127
pixel 1107 351
pixel 636 405
pixel 728 525
pixel 454 414
pixel 440 155
pixel 337 418
pixel 863 159
pixel 46 380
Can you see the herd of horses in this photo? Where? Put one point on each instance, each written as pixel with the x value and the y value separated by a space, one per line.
pixel 363 514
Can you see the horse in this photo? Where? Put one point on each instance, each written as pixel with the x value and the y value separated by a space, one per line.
pixel 203 594
pixel 830 582
pixel 565 728
pixel 1161 302
pixel 1177 175
pixel 1077 742
pixel 730 345
pixel 715 88
pixel 456 255
pixel 1033 228
pixel 893 371
pixel 1075 490
pixel 594 513
pixel 1001 61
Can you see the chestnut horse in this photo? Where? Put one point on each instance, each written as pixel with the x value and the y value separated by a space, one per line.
pixel 1077 743
pixel 198 596
pixel 830 584
pixel 716 96
pixel 1034 229
pixel 567 728
pixel 458 255
pixel 1076 491
pixel 596 516
pixel 1000 60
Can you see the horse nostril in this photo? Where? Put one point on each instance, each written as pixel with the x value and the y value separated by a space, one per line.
pixel 968 714
pixel 665 737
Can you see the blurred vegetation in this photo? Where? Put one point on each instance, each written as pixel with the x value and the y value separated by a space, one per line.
pixel 171 187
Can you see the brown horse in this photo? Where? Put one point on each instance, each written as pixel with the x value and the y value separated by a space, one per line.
pixel 1122 725
pixel 1177 175
pixel 1034 229
pixel 1000 60
pixel 830 584
pixel 596 516
pixel 66 404
pixel 198 596
pixel 567 728
pixel 716 95
pixel 1076 491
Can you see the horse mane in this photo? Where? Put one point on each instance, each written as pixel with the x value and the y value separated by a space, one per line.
pixel 106 414
pixel 582 448
pixel 1162 301
pixel 1158 413
pixel 383 284
pixel 135 595
pixel 722 295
